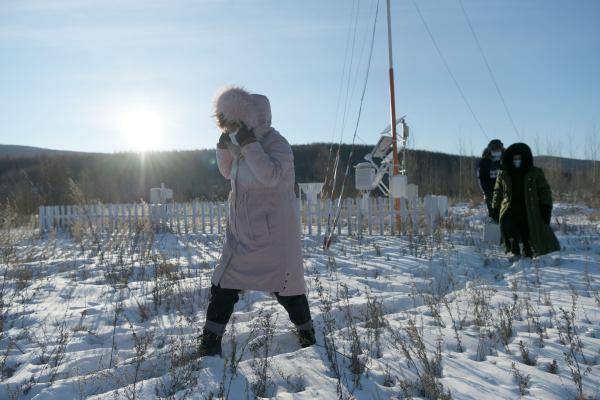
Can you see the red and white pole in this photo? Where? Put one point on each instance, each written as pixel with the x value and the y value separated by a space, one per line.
pixel 393 112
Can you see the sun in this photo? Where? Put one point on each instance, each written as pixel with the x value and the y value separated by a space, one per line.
pixel 141 127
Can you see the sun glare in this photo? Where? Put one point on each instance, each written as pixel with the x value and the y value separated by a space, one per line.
pixel 142 128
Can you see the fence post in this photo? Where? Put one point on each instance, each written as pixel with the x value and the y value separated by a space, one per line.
pixel 309 216
pixel 109 217
pixel 101 217
pixel 318 213
pixel 62 212
pixel 176 209
pixel 70 215
pixel 380 212
pixel 194 216
pixel 357 223
pixel 128 207
pixel 143 213
pixel 349 216
pixel 170 210
pixel 392 212
pixel 186 216
pixel 116 215
pixel 203 209
pixel 57 214
pixel 41 218
pixel 210 215
pixel 369 210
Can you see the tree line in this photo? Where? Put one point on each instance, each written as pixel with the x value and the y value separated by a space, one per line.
pixel 44 179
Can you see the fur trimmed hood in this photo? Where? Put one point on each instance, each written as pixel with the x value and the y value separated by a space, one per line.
pixel 235 104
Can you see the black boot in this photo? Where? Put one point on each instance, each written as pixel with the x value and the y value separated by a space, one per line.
pixel 210 344
pixel 306 337
pixel 527 250
pixel 515 249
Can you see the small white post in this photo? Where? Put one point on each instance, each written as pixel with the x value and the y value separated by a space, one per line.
pixel 309 216
pixel 203 217
pixel 177 212
pixel 359 217
pixel 349 215
pixel 186 217
pixel 380 214
pixel 334 212
pixel 218 217
pixel 128 206
pixel 318 212
pixel 41 218
pixel 170 208
pixel 211 212
pixel 194 216
pixel 392 211
pixel 101 217
pixel 369 211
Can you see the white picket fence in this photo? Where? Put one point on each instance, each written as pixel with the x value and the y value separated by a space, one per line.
pixel 373 217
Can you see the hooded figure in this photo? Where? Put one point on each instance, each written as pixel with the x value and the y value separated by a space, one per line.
pixel 262 248
pixel 488 167
pixel 523 204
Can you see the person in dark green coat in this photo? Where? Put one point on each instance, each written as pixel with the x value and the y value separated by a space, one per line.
pixel 522 204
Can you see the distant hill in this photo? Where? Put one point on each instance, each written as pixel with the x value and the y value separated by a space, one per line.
pixel 31 176
pixel 12 150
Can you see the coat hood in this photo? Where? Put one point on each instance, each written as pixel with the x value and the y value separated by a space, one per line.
pixel 517 148
pixel 263 114
pixel 235 104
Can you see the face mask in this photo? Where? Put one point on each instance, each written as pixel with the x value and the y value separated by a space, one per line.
pixel 496 155
pixel 517 163
pixel 232 137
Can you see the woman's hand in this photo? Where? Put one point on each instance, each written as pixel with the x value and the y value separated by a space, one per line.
pixel 224 140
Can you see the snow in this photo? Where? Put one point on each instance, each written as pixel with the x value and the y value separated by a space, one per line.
pixel 120 319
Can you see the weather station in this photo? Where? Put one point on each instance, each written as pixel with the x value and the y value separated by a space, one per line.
pixel 380 162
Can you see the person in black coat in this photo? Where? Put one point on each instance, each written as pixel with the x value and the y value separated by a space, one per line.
pixel 487 170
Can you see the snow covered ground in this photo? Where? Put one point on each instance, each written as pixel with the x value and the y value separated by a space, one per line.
pixel 442 316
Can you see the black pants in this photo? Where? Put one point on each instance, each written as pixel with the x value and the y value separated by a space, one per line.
pixel 515 231
pixel 222 301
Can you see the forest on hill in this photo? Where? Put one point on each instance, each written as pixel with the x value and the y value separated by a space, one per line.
pixel 44 178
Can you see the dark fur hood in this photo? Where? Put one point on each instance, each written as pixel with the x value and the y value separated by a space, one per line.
pixel 526 155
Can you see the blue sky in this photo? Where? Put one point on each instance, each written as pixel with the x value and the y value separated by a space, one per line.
pixel 72 71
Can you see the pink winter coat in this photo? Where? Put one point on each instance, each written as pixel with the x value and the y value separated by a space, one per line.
pixel 262 248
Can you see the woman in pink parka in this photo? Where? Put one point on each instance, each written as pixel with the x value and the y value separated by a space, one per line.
pixel 262 249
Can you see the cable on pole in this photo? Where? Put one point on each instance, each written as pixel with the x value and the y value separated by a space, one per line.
pixel 331 229
pixel 339 96
pixel 343 122
pixel 489 68
pixel 441 55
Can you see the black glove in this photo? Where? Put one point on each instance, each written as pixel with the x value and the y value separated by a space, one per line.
pixel 244 135
pixel 546 212
pixel 224 140
pixel 495 215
